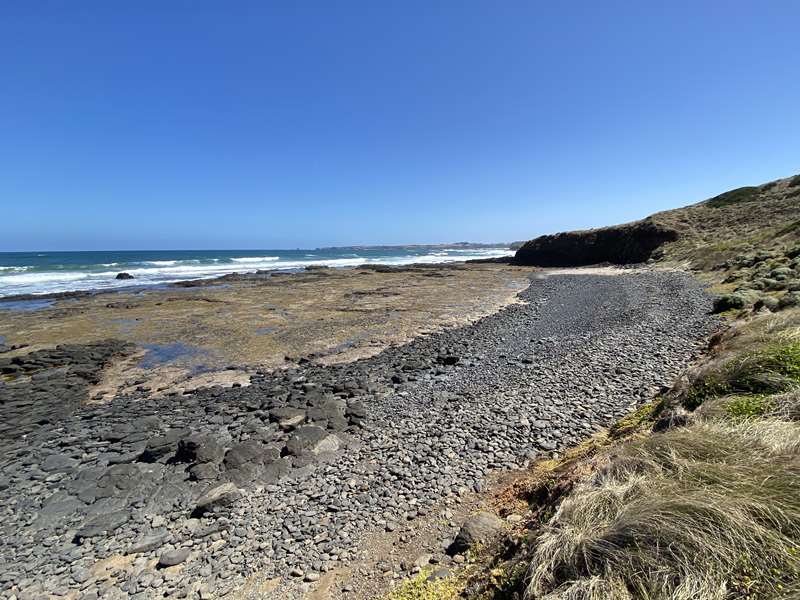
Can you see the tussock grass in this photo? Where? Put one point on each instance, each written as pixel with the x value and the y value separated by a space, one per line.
pixel 710 511
pixel 785 406
pixel 756 358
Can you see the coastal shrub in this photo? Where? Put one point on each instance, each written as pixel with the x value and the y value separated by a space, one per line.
pixel 794 181
pixel 686 514
pixel 742 194
pixel 729 302
pixel 736 301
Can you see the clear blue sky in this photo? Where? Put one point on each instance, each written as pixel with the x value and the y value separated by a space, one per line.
pixel 153 124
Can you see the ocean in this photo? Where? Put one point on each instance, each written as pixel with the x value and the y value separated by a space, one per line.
pixel 48 272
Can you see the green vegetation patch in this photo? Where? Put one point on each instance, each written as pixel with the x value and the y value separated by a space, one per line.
pixel 772 369
pixel 742 194
pixel 642 417
pixel 794 181
pixel 748 407
pixel 423 588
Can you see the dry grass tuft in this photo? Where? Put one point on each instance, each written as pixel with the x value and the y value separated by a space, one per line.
pixel 709 511
pixel 785 406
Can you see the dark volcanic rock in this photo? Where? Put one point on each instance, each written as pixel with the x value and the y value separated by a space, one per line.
pixel 290 471
pixel 478 529
pixel 312 439
pixel 622 244
pixel 220 496
pixel 124 276
pixel 164 447
pixel 60 379
pixel 251 452
pixel 199 449
pixel 103 524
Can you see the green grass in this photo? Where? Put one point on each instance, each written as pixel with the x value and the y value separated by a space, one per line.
pixel 748 407
pixel 742 194
pixel 769 370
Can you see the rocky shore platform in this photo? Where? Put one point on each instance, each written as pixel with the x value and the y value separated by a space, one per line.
pixel 225 491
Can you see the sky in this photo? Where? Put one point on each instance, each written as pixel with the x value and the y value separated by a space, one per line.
pixel 177 125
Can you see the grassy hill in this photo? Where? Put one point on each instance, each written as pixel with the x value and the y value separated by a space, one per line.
pixel 701 237
pixel 740 222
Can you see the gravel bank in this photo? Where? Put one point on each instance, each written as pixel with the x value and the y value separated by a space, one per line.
pixel 188 495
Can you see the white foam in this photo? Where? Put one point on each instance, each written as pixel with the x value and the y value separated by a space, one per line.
pixel 43 277
pixel 255 259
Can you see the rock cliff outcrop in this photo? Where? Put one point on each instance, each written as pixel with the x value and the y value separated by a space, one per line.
pixel 621 244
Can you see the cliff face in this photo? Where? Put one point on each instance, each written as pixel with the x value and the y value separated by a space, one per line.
pixel 620 244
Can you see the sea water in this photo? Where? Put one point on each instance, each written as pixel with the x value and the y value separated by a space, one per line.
pixel 48 272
